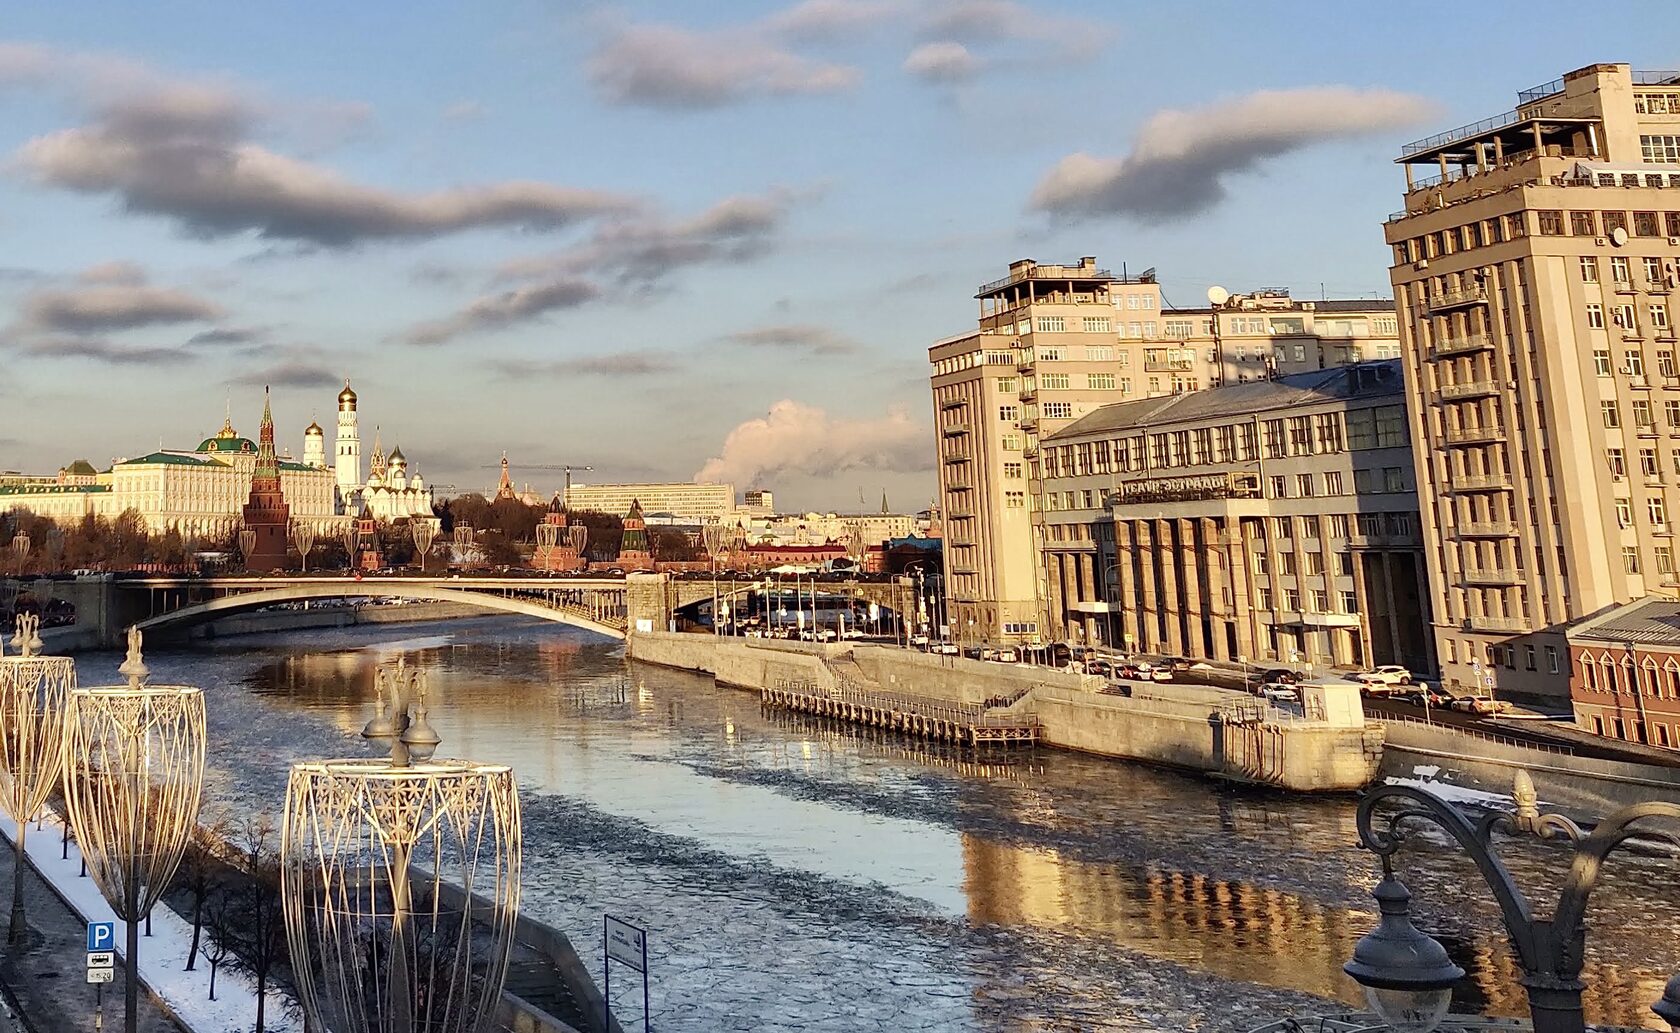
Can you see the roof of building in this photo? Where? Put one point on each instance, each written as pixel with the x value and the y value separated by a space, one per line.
pixel 51 489
pixel 1382 305
pixel 1649 621
pixel 227 444
pixel 80 468
pixel 1338 383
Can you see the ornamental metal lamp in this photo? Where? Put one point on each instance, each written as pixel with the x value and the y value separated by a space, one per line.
pixel 424 531
pixel 400 879
pixel 133 773
pixel 33 694
pixel 1407 975
pixel 1668 1007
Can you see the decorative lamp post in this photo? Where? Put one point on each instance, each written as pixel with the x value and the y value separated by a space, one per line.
pixel 247 544
pixel 20 548
pixel 424 530
pixel 577 537
pixel 350 537
pixel 1406 973
pixel 33 693
pixel 133 771
pixel 714 536
pixel 400 879
pixel 303 539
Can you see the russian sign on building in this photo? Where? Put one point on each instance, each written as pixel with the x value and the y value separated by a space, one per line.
pixel 1190 489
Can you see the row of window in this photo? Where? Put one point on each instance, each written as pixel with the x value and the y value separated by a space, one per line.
pixel 1501 656
pixel 1616 460
pixel 1658 274
pixel 1590 224
pixel 1365 482
pixel 1548 223
pixel 1633 363
pixel 1312 563
pixel 1625 317
pixel 1614 674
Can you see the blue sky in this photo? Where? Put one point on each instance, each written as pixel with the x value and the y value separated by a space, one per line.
pixel 670 238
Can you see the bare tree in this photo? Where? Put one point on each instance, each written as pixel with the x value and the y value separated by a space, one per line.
pixel 222 917
pixel 199 865
pixel 261 937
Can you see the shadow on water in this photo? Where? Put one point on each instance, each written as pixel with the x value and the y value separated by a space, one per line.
pixel 794 868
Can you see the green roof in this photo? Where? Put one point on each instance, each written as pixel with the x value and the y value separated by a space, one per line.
pixel 221 444
pixel 81 468
pixel 52 489
pixel 167 459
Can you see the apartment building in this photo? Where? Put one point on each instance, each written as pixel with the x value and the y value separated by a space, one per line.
pixel 690 502
pixel 1052 344
pixel 1534 274
pixel 1276 519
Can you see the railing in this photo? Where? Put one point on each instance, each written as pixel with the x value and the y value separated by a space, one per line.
pixel 1487 529
pixel 1470 389
pixel 1047 272
pixel 1505 740
pixel 1485 622
pixel 1474 435
pixel 1464 132
pixel 1492 576
pixel 1461 345
pixel 1656 77
pixel 1458 298
pixel 1167 365
pixel 1480 482
pixel 1534 93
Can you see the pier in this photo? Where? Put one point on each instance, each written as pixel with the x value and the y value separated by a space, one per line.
pixel 916 716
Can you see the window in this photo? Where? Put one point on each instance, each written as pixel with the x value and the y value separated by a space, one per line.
pixel 1595 319
pixel 1012 471
pixel 1653 271
pixel 1618 463
pixel 1291 599
pixel 1286 564
pixel 1008 413
pixel 1601 356
pixel 1659 320
pixel 1665 363
pixel 1362 482
pixel 1642 413
pixel 1015 499
pixel 1635 364
pixel 1551 224
pixel 1645 224
pixel 1625 320
pixel 1179 328
pixel 1058 410
pixel 1350 602
pixel 1589 269
pixel 1648 463
pixel 1660 149
pixel 1284 528
pixel 1614 221
pixel 1333 480
pixel 1100 353
pixel 1315 563
pixel 1087 499
pixel 1053 381
pixel 1612 414
pixel 1630 559
pixel 1394 479
pixel 1096 324
pixel 1552 659
pixel 1619 270
pixel 1583 224
pixel 1012 442
pixel 1050 354
pixel 1320 601
pixel 1665 559
pixel 1051 324
pixel 1006 385
pixel 1528 657
pixel 1361 429
pixel 1391 426
pixel 1280 486
pixel 1304 485
pixel 1099 381
pixel 1657 510
pixel 1624 513
pixel 1125 385
pixel 1344 564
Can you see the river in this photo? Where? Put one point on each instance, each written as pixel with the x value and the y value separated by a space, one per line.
pixel 799 876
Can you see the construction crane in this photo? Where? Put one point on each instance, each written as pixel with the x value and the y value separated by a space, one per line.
pixel 545 466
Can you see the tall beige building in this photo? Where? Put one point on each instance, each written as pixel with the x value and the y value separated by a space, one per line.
pixel 1055 342
pixel 1534 274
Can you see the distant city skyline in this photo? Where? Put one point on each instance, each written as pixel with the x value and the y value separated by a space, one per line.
pixel 664 241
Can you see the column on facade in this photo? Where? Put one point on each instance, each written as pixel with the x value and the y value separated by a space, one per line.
pixel 1393 609
pixel 1361 590
pixel 1218 612
pixel 1054 591
pixel 1194 609
pixel 1088 583
pixel 1069 584
pixel 1171 608
pixel 1126 581
pixel 1149 634
pixel 1242 587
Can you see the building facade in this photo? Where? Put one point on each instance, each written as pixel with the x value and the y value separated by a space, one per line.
pixel 1273 520
pixel 390 492
pixel 1624 669
pixel 691 502
pixel 1534 272
pixel 1054 343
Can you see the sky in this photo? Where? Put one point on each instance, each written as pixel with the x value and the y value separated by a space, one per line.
pixel 675 240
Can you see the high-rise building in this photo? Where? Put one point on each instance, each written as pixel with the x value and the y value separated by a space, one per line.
pixel 1055 342
pixel 691 502
pixel 1534 272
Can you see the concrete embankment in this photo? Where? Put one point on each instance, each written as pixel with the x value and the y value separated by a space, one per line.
pixel 77 639
pixel 1184 726
pixel 1485 761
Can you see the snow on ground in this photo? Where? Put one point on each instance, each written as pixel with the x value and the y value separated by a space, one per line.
pixel 1449 792
pixel 163 955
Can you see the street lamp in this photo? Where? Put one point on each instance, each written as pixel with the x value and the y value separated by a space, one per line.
pixel 33 692
pixel 303 538
pixel 424 531
pixel 1406 973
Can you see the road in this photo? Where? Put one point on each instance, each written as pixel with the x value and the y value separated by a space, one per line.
pixel 1534 732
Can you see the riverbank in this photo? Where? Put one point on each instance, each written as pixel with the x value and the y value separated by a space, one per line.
pixel 1183 726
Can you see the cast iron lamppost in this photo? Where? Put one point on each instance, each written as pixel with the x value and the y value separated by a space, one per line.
pixel 133 771
pixel 400 880
pixel 33 693
pixel 1406 973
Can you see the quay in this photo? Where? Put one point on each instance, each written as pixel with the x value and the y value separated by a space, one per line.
pixel 919 717
pixel 1331 747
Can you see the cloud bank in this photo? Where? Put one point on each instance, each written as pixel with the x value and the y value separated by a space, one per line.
pixel 665 66
pixel 1180 160
pixel 795 337
pixel 496 311
pixel 109 298
pixel 795 438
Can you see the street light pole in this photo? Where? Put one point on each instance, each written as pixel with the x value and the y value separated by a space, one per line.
pixel 1407 973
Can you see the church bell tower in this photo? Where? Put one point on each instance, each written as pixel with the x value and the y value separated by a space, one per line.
pixel 347 454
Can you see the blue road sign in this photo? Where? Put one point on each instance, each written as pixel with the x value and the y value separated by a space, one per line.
pixel 102 936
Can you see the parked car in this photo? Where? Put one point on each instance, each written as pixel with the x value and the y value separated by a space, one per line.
pixel 1483 705
pixel 946 648
pixel 1278 693
pixel 1280 676
pixel 1422 695
pixel 1177 663
pixel 1160 672
pixel 1129 669
pixel 1388 674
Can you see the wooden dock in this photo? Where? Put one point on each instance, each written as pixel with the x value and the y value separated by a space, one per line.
pixel 921 717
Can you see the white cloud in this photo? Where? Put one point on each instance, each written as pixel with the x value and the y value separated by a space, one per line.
pixel 495 311
pixel 666 66
pixel 945 61
pixel 795 438
pixel 1180 160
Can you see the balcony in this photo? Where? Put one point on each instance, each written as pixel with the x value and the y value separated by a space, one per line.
pixel 1030 452
pixel 1464 345
pixel 1479 482
pixel 1484 622
pixel 1487 529
pixel 1492 576
pixel 1028 394
pixel 1319 619
pixel 1168 365
pixel 1474 435
pixel 955 431
pixel 1024 364
pixel 1469 389
pixel 1028 424
pixel 959 486
pixel 1461 298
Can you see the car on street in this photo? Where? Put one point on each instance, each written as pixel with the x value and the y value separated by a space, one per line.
pixel 1388 674
pixel 1421 695
pixel 1280 676
pixel 1278 693
pixel 1483 705
pixel 945 648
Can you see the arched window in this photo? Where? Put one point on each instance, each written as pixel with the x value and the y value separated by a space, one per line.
pixel 1589 673
pixel 1672 670
pixel 1652 684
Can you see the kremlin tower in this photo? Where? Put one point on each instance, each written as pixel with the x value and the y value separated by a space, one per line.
pixel 633 553
pixel 555 544
pixel 266 511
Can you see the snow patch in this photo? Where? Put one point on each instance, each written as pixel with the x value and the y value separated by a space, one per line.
pixel 1453 794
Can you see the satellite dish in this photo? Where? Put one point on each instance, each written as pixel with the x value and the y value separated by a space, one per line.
pixel 1218 295
pixel 1618 236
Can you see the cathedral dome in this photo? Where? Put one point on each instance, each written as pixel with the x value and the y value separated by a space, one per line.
pixel 418 483
pixel 347 397
pixel 313 430
pixel 397 458
pixel 220 443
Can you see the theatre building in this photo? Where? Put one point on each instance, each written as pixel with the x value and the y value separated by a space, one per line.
pixel 1275 519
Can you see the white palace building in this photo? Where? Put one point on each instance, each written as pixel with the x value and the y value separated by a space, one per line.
pixel 201 492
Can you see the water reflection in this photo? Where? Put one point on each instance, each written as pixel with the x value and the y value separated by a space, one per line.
pixel 792 868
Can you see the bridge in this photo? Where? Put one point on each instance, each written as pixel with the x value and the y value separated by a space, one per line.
pixel 614 606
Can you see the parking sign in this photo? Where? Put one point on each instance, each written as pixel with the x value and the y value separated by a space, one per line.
pixel 101 936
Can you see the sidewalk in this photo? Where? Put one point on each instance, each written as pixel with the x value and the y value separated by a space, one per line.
pixel 163 956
